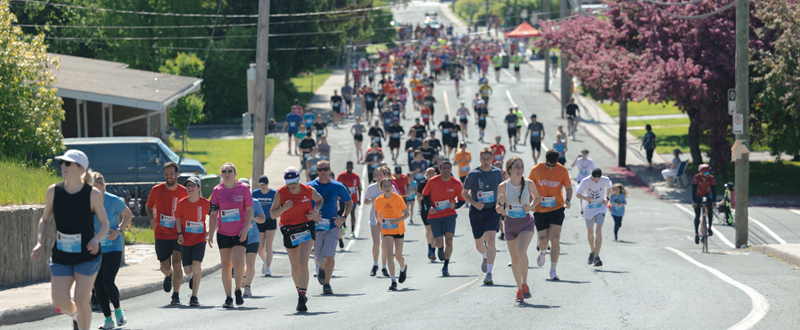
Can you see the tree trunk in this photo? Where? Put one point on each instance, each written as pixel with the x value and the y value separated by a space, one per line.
pixel 694 138
pixel 623 133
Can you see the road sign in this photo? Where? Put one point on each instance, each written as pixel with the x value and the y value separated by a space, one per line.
pixel 738 123
pixel 731 101
pixel 535 19
pixel 524 13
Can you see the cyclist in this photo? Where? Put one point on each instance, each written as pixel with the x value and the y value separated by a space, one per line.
pixel 703 185
pixel 728 203
pixel 573 112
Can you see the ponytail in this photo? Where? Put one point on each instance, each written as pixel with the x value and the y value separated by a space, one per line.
pixel 521 190
pixel 88 177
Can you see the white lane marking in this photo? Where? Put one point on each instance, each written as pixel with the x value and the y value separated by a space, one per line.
pixel 760 303
pixel 795 211
pixel 718 234
pixel 360 213
pixel 769 231
pixel 514 79
pixel 673 228
pixel 525 121
pixel 463 286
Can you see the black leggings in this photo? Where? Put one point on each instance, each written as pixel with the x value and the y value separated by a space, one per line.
pixel 698 210
pixel 104 285
pixel 650 156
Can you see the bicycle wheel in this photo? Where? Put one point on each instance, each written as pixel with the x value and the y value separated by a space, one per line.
pixel 705 234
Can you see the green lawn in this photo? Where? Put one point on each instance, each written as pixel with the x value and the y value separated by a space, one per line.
pixel 640 109
pixel 24 184
pixel 669 138
pixel 139 235
pixel 213 153
pixel 660 122
pixel 763 181
pixel 303 84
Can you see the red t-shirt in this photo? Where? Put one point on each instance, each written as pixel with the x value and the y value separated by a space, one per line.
pixel 401 180
pixel 194 213
pixel 703 186
pixel 442 193
pixel 352 181
pixel 165 202
pixel 301 205
pixel 426 114
pixel 498 152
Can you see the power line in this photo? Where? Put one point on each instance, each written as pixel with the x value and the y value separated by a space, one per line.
pixel 195 37
pixel 153 47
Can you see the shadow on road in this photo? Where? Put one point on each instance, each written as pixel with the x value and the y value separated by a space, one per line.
pixel 309 313
pixel 570 282
pixel 340 295
pixel 527 305
pixel 611 271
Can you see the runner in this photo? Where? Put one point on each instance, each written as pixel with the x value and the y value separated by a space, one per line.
pixel 456 80
pixel 327 229
pixel 306 146
pixel 353 184
pixel 703 185
pixel 111 245
pixel 319 127
pixel 336 106
pixel 76 255
pixel 446 126
pixel 498 64
pixel 482 113
pixel 376 134
pixel 461 159
pixel 462 114
pixel 324 148
pixel 358 137
pixel 293 205
pixel 511 128
pixel 231 211
pixel 453 141
pixel 516 198
pixel 442 197
pixel 550 177
pixel 359 103
pixel 561 147
pixel 370 195
pixel 391 212
pixel 253 242
pixel 369 103
pixel 395 131
pixel 161 204
pixel 595 192
pixel 265 195
pixel 585 166
pixel 373 159
pixel 498 150
pixel 485 91
pixel 191 215
pixel 299 108
pixel 425 112
pixel 573 113
pixel 412 145
pixel 429 101
pixel 423 211
pixel 517 60
pixel 401 181
pixel 536 131
pixel 480 189
pixel 347 94
pixel 618 200
pixel 292 120
pixel 519 125
pixel 434 143
pixel 308 120
pixel 312 164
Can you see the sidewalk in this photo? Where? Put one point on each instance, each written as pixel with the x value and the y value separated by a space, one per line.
pixel 788 253
pixel 33 302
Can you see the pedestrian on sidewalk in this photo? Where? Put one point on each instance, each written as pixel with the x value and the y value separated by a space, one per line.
pixel 672 172
pixel 618 200
pixel 265 195
pixel 191 216
pixel 595 191
pixel 112 245
pixel 76 256
pixel 649 145
pixel 253 242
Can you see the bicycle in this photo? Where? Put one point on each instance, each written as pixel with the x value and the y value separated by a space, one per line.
pixel 704 228
pixel 572 126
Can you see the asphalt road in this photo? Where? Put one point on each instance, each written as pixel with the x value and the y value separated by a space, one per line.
pixel 654 277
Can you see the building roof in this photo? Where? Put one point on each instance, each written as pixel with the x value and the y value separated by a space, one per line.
pixel 113 82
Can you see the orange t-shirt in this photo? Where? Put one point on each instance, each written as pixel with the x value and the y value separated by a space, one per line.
pixel 390 208
pixel 165 202
pixel 549 183
pixel 195 214
pixel 465 156
pixel 301 205
pixel 442 194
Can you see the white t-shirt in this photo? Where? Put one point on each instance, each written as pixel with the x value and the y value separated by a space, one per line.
pixel 597 192
pixel 585 168
pixel 372 193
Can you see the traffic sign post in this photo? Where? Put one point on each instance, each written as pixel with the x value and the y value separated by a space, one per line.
pixel 738 123
pixel 731 101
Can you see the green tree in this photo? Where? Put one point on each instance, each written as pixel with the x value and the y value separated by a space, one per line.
pixel 31 109
pixel 189 108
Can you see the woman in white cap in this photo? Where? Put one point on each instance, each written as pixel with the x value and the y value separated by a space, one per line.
pixel 76 256
pixel 298 215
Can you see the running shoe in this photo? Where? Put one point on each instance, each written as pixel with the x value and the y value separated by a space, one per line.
pixel 519 296
pixel 431 255
pixel 175 299
pixel 120 315
pixel 393 287
pixel 191 283
pixel 264 269
pixel 445 272
pixel 441 254
pixel 239 299
pixel 247 292
pixel 554 276
pixel 108 324
pixel 598 262
pixel 526 291
pixel 484 265
pixel 326 289
pixel 228 303
pixel 268 273
pixel 95 304
pixel 385 272
pixel 403 274
pixel 167 283
pixel 75 325
pixel 710 232
pixel 341 244
pixel 353 234
pixel 321 276
pixel 696 239
pixel 412 221
pixel 193 301
pixel 591 257
pixel 487 280
pixel 540 259
pixel 502 236
pixel 373 271
pixel 301 304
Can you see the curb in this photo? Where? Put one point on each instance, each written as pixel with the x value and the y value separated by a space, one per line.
pixel 770 251
pixel 44 310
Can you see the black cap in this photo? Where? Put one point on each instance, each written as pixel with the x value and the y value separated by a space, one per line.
pixel 263 179
pixel 398 169
pixel 596 173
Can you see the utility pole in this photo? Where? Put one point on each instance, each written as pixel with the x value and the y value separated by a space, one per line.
pixel 262 66
pixel 348 61
pixel 516 13
pixel 546 51
pixel 742 175
pixel 566 80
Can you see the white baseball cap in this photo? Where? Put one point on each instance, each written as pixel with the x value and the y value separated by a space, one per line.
pixel 75 156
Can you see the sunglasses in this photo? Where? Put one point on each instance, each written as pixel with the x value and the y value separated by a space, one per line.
pixel 289 184
pixel 63 162
pixel 323 169
pixel 227 171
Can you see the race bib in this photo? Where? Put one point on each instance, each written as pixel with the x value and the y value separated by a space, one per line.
pixel 352 190
pixel 583 172
pixel 292 124
pixel 309 122
pixel 445 131
pixel 498 157
pixel 486 196
pixel 253 229
pixel 419 176
pixel 376 139
pixel 105 242
pixel 454 135
pixel 387 224
pixel 68 243
pixel 512 125
pixel 300 237
pixel 465 168
pixel 194 227
pixel 320 132
pixel 595 205
pixel 411 197
pixel 397 113
pixel 306 156
pixel 388 121
pixel 442 205
pixel 373 165
pixel 323 225
pixel 396 135
pixel 481 118
pixel 231 215
pixel 463 117
pixel 167 221
pixel 535 134
pixel 616 208
pixel 548 201
pixel 516 211
pixel 313 168
pixel 424 116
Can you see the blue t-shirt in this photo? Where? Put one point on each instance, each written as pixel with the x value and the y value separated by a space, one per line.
pixel 618 199
pixel 265 199
pixel 309 119
pixel 482 185
pixel 330 192
pixel 114 207
pixel 294 122
pixel 252 234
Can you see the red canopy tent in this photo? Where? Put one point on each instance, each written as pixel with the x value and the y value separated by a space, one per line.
pixel 524 30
